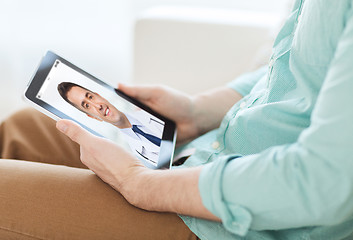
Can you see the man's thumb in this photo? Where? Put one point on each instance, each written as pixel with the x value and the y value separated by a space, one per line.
pixel 73 131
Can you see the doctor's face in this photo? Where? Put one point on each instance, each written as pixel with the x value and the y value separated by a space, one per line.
pixel 94 105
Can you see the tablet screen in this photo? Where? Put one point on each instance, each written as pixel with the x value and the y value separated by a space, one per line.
pixel 105 111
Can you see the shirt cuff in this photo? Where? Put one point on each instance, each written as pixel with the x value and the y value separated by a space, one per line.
pixel 247 81
pixel 235 218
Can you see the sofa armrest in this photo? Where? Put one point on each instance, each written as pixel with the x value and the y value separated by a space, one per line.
pixel 194 49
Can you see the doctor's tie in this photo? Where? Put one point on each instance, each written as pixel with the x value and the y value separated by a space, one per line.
pixel 153 139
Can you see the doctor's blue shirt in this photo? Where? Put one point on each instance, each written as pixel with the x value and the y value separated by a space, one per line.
pixel 280 166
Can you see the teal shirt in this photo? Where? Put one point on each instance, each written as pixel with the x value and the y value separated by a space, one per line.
pixel 280 166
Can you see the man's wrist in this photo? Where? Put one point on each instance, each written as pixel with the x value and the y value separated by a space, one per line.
pixel 198 120
pixel 125 181
pixel 167 191
pixel 132 186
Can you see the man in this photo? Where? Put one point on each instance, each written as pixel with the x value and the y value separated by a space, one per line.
pixel 144 139
pixel 277 165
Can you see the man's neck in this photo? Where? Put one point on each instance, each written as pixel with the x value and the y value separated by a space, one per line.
pixel 123 123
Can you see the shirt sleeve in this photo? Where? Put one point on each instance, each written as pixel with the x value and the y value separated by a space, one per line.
pixel 307 183
pixel 246 82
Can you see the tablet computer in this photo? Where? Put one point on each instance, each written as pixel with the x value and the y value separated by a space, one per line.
pixel 61 90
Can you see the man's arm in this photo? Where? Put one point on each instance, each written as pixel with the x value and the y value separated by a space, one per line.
pixel 167 191
pixel 210 107
pixel 306 183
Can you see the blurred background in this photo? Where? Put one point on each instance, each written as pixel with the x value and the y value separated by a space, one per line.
pixel 188 44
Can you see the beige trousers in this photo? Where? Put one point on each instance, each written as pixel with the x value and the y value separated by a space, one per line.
pixel 52 195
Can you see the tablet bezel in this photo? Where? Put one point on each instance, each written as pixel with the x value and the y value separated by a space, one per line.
pixel 39 77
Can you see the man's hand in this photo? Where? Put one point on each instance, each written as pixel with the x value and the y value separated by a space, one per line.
pixel 193 115
pixel 110 162
pixel 171 104
pixel 155 190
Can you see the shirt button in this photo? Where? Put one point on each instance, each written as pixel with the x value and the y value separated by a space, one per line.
pixel 272 61
pixel 242 105
pixel 215 145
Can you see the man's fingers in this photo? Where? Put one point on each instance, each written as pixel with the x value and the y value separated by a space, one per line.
pixel 129 90
pixel 74 131
pixel 142 93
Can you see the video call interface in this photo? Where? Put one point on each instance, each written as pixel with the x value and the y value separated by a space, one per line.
pixel 102 110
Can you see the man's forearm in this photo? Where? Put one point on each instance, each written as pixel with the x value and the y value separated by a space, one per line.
pixel 210 107
pixel 168 191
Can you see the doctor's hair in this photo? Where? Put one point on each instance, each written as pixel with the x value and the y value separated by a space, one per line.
pixel 65 87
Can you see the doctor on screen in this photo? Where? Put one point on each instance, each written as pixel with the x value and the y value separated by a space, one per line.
pixel 143 132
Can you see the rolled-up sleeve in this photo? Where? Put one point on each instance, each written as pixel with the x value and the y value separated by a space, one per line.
pixel 246 82
pixel 235 218
pixel 307 183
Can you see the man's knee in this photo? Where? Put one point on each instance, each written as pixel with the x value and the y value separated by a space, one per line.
pixel 21 131
pixel 26 115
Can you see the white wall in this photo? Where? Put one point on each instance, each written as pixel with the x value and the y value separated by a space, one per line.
pixel 258 5
pixel 94 34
